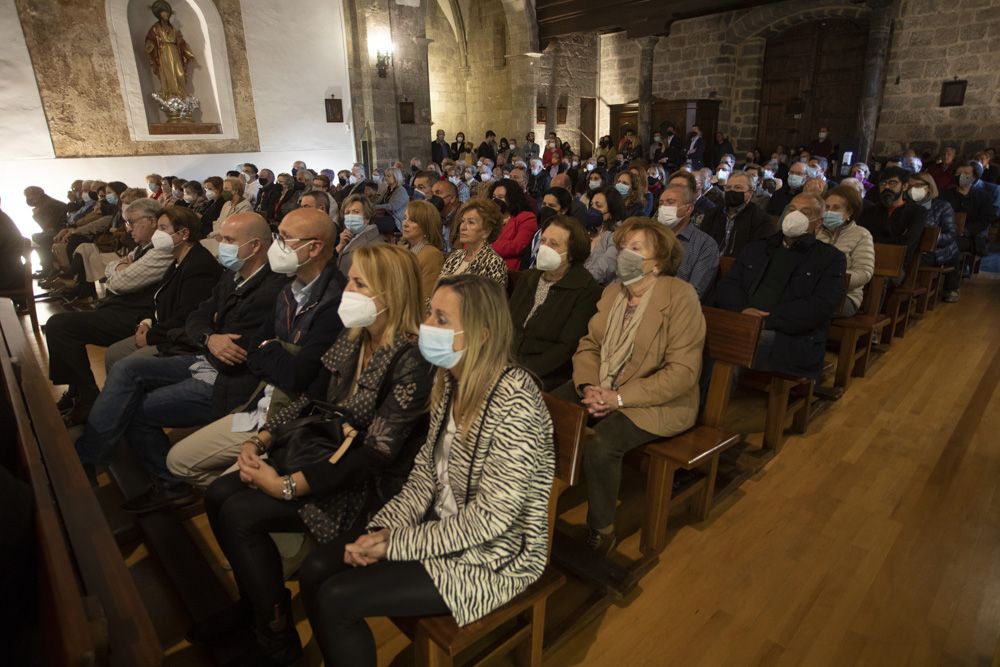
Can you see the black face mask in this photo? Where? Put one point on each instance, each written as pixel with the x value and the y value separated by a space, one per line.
pixel 263 182
pixel 651 181
pixel 343 181
pixel 93 195
pixel 594 219
pixel 733 199
pixel 546 214
pixel 888 197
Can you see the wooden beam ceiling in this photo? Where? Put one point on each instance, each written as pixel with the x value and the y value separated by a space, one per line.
pixel 639 18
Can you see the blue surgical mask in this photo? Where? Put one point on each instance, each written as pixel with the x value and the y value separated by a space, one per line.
pixel 437 346
pixel 229 256
pixel 111 198
pixel 796 181
pixel 833 220
pixel 418 195
pixel 622 189
pixel 594 219
pixel 355 222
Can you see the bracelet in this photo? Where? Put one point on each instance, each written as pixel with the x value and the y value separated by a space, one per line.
pixel 259 444
pixel 287 487
pixel 621 403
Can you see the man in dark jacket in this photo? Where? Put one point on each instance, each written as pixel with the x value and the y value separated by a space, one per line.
pixel 894 220
pixel 206 376
pixel 488 149
pixel 975 203
pixel 11 246
pixel 739 221
pixel 50 215
pixel 795 283
pixel 793 185
pixel 440 150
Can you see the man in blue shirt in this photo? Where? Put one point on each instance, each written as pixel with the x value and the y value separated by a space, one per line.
pixel 701 253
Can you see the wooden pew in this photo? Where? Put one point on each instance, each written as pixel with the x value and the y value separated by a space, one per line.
pixel 730 342
pixel 92 612
pixel 902 299
pixel 856 334
pixel 437 640
pixel 25 293
pixel 969 259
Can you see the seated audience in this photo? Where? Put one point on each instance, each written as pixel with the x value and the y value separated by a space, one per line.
pixel 840 229
pixel 893 219
pixel 628 187
pixel 795 283
pixel 132 282
pixel 213 195
pixel 700 263
pixel 50 214
pixel 98 221
pixel 702 205
pixel 194 199
pixel 923 191
pixel 205 375
pixel 636 371
pixel 393 200
pixel 793 186
pixel 738 221
pixel 422 235
pixel 375 373
pixel 359 231
pixel 236 202
pixel 448 193
pixel 154 184
pixel 433 548
pixel 975 203
pixel 553 302
pixel 515 236
pixel 480 222
pixel 192 275
pixel 606 212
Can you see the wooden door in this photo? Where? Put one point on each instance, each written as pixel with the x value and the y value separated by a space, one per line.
pixel 812 78
pixel 588 126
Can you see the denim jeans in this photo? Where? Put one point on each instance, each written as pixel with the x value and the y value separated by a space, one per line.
pixel 140 397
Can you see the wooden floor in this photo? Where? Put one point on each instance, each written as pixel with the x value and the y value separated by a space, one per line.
pixel 874 539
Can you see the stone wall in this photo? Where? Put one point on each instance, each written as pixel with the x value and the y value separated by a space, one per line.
pixel 489 99
pixel 566 72
pixel 935 41
pixel 618 79
pixel 446 74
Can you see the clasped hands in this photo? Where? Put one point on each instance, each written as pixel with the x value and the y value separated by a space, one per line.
pixel 600 402
pixel 367 549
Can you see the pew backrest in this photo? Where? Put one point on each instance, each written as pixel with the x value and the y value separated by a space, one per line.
pixel 730 342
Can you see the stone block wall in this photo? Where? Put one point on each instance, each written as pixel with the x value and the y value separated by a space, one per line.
pixel 567 72
pixel 489 98
pixel 935 41
pixel 618 79
pixel 446 74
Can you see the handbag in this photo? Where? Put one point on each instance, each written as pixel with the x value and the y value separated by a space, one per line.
pixel 322 431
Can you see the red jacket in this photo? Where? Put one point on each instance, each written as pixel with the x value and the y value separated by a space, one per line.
pixel 515 236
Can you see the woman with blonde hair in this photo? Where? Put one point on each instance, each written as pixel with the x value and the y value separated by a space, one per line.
pixel 235 202
pixel 636 370
pixel 469 530
pixel 422 235
pixel 377 379
pixel 481 221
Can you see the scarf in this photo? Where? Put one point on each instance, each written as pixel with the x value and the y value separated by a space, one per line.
pixel 619 337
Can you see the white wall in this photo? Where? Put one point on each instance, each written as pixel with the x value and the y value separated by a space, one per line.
pixel 294 65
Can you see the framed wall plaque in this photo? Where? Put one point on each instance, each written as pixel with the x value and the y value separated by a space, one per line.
pixel 334 110
pixel 953 93
pixel 406 113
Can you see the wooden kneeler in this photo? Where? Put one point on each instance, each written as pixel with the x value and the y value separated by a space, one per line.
pixel 437 640
pixel 730 342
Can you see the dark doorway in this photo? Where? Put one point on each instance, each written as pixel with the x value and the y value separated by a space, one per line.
pixel 588 125
pixel 812 78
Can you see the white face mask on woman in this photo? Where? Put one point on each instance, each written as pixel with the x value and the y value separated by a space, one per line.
pixel 357 310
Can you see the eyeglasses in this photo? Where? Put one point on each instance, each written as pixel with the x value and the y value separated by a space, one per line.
pixel 131 223
pixel 283 242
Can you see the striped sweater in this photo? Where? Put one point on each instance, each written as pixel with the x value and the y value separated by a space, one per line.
pixel 501 475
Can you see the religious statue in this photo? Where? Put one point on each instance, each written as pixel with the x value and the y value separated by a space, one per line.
pixel 169 56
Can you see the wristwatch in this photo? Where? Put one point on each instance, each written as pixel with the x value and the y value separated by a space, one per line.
pixel 259 445
pixel 287 487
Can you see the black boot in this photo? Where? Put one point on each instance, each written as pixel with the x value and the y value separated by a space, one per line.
pixel 237 616
pixel 277 638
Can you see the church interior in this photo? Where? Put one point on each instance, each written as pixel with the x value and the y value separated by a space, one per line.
pixel 534 332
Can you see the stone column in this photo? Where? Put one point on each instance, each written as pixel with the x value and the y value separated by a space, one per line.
pixel 524 92
pixel 876 57
pixel 647 46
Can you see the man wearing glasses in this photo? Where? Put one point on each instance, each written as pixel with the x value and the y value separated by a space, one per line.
pixel 738 221
pixel 131 283
pixel 895 219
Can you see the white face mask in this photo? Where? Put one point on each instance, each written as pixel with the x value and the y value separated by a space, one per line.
pixel 357 310
pixel 162 240
pixel 722 175
pixel 285 261
pixel 210 195
pixel 794 225
pixel 667 215
pixel 189 198
pixel 918 194
pixel 548 259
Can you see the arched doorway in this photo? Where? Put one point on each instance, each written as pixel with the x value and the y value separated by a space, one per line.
pixel 812 78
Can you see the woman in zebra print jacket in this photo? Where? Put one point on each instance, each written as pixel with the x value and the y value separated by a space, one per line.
pixel 468 531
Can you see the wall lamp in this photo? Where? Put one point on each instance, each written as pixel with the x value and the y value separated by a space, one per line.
pixel 381 47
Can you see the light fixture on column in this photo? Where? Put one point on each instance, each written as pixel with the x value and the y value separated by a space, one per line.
pixel 380 44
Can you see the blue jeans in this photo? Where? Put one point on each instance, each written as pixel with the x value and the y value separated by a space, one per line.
pixel 140 397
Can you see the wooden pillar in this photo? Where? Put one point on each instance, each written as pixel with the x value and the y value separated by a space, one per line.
pixel 873 82
pixel 647 46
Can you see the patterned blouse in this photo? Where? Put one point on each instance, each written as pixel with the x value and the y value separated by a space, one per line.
pixel 486 263
pixel 373 470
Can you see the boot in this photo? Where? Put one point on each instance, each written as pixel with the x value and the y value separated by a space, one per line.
pixel 277 637
pixel 237 616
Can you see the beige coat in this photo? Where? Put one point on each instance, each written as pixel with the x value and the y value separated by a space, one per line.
pixel 659 383
pixel 857 245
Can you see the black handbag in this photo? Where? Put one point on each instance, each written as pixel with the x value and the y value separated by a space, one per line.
pixel 322 432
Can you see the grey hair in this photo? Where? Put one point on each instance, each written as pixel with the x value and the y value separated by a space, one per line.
pixel 740 173
pixel 397 174
pixel 145 207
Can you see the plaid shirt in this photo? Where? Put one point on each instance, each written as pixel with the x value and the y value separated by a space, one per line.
pixel 147 268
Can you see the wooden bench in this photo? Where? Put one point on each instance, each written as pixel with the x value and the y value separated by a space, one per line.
pixel 968 259
pixel 25 293
pixel 730 343
pixel 856 334
pixel 91 610
pixel 437 640
pixel 902 300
